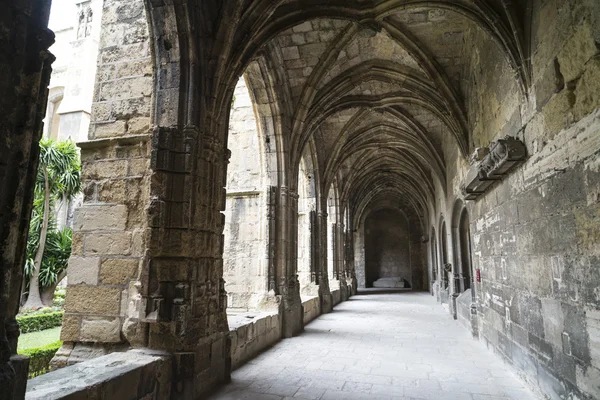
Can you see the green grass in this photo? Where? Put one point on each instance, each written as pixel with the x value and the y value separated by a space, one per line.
pixel 38 339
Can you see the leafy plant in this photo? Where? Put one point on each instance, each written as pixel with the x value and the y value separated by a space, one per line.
pixel 59 298
pixel 40 321
pixel 40 357
pixel 47 250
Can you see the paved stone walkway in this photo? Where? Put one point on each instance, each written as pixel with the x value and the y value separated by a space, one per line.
pixel 378 346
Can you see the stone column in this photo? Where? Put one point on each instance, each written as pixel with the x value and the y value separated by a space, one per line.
pixel 349 261
pixel 321 260
pixel 359 257
pixel 109 267
pixel 287 262
pixel 340 261
pixel 25 64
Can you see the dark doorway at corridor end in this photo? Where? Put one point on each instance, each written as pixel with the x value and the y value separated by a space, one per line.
pixel 392 251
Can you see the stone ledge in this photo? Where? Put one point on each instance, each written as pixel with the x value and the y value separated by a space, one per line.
pixel 107 378
pixel 114 141
pixel 312 308
pixel 251 333
pixel 336 296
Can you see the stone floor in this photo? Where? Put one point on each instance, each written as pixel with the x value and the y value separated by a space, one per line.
pixel 378 346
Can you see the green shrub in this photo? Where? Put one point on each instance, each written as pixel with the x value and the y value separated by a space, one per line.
pixel 40 357
pixel 59 298
pixel 39 322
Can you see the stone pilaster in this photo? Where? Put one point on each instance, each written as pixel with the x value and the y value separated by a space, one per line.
pixel 321 260
pixel 287 262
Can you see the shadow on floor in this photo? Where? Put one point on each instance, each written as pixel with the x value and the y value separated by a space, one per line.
pixel 370 291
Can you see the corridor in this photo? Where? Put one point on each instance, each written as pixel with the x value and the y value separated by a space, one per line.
pixel 378 346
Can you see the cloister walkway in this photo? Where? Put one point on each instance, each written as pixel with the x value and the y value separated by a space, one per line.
pixel 378 346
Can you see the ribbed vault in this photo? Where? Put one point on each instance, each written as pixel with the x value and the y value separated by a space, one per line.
pixel 374 89
pixel 378 88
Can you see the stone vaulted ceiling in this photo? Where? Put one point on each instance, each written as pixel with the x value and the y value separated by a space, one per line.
pixel 379 90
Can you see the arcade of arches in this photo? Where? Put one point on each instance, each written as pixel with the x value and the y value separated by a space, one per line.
pixel 253 163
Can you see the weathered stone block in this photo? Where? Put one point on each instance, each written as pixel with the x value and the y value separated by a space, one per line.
pixel 290 53
pixel 126 88
pixel 138 125
pixel 576 52
pixel 100 217
pixel 108 243
pixel 105 169
pixel 83 270
pixel 77 244
pixel 303 27
pixel 557 112
pixel 139 166
pixel 93 300
pixel 70 328
pixel 588 90
pixel 118 271
pixel 102 130
pixel 98 329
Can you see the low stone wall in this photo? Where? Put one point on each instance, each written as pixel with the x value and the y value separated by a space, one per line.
pixel 134 374
pixel 336 296
pixel 312 308
pixel 252 333
pixel 109 377
pixel 463 308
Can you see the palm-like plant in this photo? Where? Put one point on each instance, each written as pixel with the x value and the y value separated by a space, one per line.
pixel 59 178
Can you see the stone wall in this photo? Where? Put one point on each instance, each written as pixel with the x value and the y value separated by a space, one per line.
pixel 312 308
pixel 110 228
pixel 336 296
pixel 251 334
pixel 136 374
pixel 535 235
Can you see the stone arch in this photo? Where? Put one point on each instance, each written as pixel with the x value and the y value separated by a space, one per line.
pixel 461 245
pixel 433 261
pixel 333 221
pixel 307 226
pixel 246 233
pixel 55 97
pixel 445 278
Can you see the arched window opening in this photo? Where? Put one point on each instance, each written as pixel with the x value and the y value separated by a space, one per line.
pixel 307 270
pixel 332 221
pixel 433 256
pixel 445 267
pixel 244 251
pixel 52 121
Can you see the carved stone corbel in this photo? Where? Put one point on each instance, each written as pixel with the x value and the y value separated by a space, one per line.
pixel 503 155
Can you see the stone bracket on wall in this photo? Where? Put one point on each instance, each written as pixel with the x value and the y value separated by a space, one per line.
pixel 503 155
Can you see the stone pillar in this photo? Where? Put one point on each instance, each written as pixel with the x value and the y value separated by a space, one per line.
pixel 183 289
pixel 287 262
pixel 340 260
pixel 25 65
pixel 359 257
pixel 108 270
pixel 109 250
pixel 314 243
pixel 349 261
pixel 321 260
pixel 147 252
